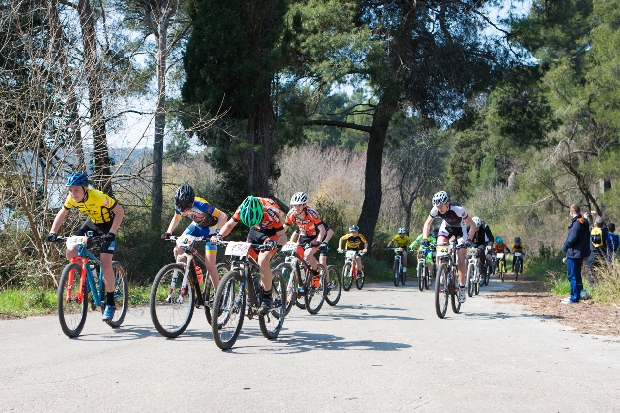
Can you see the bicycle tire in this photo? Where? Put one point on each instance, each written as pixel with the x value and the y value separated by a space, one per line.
pixel 477 284
pixel 469 280
pixel 229 305
pixel 487 277
pixel 517 269
pixel 315 296
pixel 72 314
pixel 403 275
pixel 421 280
pixel 454 297
pixel 360 279
pixel 301 280
pixel 334 286
pixel 396 273
pixel 209 292
pixel 441 290
pixel 271 323
pixel 170 313
pixel 347 278
pixel 121 295
pixel 501 269
pixel 287 272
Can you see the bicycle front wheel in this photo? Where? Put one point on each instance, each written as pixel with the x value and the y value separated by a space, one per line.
pixel 359 281
pixel 302 275
pixel 456 303
pixel 396 272
pixel 271 323
pixel 171 305
pixel 315 296
pixel 470 280
pixel 403 276
pixel 501 270
pixel 229 306
pixel 517 269
pixel 334 286
pixel 72 302
pixel 209 293
pixel 421 275
pixel 347 278
pixel 287 272
pixel 442 291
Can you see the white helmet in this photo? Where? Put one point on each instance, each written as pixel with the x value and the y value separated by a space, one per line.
pixel 299 198
pixel 402 230
pixel 440 198
pixel 477 221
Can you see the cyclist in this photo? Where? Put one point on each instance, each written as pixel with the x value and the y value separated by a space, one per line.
pixel 517 246
pixel 455 222
pixel 432 239
pixel 104 218
pixel 205 222
pixel 310 227
pixel 482 238
pixel 500 247
pixel 353 241
pixel 323 248
pixel 262 216
pixel 401 240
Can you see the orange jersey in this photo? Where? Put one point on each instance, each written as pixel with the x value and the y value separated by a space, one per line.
pixel 271 215
pixel 500 247
pixel 308 225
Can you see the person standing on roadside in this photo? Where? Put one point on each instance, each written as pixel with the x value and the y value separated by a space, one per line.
pixel 577 248
pixel 613 241
pixel 598 248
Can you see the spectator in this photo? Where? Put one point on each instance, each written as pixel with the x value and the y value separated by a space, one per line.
pixel 598 247
pixel 613 240
pixel 577 248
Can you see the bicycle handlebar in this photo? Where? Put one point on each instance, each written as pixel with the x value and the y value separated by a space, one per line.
pixel 94 238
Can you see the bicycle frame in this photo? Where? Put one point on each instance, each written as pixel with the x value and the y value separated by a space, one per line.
pixel 189 275
pixel 86 275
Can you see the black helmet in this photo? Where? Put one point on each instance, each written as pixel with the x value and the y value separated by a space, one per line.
pixel 184 198
pixel 354 228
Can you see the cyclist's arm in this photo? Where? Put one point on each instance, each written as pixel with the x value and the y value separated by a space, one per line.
pixel 228 226
pixel 60 217
pixel 294 236
pixel 173 223
pixel 221 217
pixel 472 227
pixel 389 243
pixel 426 229
pixel 340 244
pixel 119 214
pixel 322 232
pixel 282 237
pixel 365 248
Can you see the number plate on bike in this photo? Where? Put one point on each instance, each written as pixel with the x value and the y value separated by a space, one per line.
pixel 518 254
pixel 443 251
pixel 237 249
pixel 289 247
pixel 421 253
pixel 185 241
pixel 350 254
pixel 71 241
pixel 398 250
pixel 500 255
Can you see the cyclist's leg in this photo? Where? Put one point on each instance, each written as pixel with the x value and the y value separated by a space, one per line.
pixel 210 261
pixel 88 225
pixel 405 259
pixel 358 260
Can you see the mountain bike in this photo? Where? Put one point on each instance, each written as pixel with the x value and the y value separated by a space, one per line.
pixel 485 278
pixel 79 278
pixel 314 287
pixel 473 272
pixel 517 263
pixel 241 286
pixel 398 274
pixel 446 281
pixel 422 270
pixel 501 265
pixel 176 289
pixel 350 271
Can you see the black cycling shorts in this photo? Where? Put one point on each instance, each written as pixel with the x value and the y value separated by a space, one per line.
pixel 98 230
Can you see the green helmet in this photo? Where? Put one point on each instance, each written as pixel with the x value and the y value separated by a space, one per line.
pixel 251 211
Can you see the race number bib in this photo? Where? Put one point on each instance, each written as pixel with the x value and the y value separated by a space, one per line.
pixel 73 241
pixel 289 247
pixel 237 249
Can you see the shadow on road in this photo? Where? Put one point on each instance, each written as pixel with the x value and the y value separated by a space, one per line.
pixel 137 332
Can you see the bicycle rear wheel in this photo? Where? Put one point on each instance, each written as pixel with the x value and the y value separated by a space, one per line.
pixel 359 281
pixel 72 303
pixel 396 272
pixel 287 272
pixel 121 295
pixel 421 280
pixel 441 290
pixel 229 306
pixel 171 308
pixel 347 278
pixel 315 296
pixel 454 294
pixel 209 293
pixel 271 323
pixel 334 286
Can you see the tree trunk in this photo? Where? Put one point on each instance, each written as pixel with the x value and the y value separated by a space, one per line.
pixel 261 128
pixel 92 66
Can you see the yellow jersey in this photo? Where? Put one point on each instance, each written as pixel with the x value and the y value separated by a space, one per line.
pixel 354 243
pixel 96 206
pixel 401 242
pixel 518 247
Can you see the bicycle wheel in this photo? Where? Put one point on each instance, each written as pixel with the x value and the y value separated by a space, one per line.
pixel 72 303
pixel 454 296
pixel 287 272
pixel 347 278
pixel 421 280
pixel 334 286
pixel 315 296
pixel 359 281
pixel 171 308
pixel 302 274
pixel 487 276
pixel 229 305
pixel 500 270
pixel 403 276
pixel 271 323
pixel 396 272
pixel 517 269
pixel 477 283
pixel 469 280
pixel 209 293
pixel 121 295
pixel 441 290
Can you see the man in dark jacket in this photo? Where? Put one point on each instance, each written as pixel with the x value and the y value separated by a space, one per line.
pixel 577 248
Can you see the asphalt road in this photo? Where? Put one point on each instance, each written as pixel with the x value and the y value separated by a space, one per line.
pixel 382 349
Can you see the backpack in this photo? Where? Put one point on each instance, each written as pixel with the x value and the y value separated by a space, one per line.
pixel 596 236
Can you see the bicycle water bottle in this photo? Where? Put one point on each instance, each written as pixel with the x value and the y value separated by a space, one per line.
pixel 256 283
pixel 95 275
pixel 199 274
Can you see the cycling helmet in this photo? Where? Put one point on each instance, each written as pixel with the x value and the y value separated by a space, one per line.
pixel 401 230
pixel 251 211
pixel 499 240
pixel 518 239
pixel 77 179
pixel 184 198
pixel 354 228
pixel 299 198
pixel 477 221
pixel 440 198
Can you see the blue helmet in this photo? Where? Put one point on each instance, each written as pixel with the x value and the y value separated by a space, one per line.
pixel 518 239
pixel 77 179
pixel 499 240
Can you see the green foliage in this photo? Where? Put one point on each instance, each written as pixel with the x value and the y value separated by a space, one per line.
pixel 27 301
